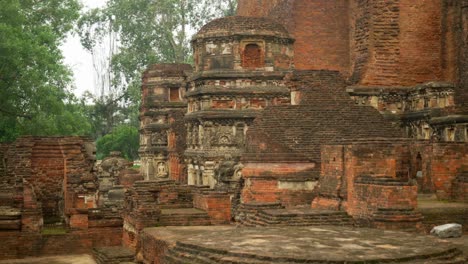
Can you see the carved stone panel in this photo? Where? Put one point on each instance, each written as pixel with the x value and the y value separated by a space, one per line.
pixel 159 138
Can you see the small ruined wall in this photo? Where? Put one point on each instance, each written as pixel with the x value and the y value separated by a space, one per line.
pixel 143 204
pixel 460 186
pixel 436 166
pixel 370 170
pixel 370 180
pixel 57 172
pixel 22 244
pixel 378 180
pixel 368 196
pixel 446 161
pixel 10 189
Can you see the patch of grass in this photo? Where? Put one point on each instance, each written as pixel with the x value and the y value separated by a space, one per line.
pixel 54 231
pixel 136 166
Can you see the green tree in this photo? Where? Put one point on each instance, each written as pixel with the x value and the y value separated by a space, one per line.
pixel 123 138
pixel 34 83
pixel 138 33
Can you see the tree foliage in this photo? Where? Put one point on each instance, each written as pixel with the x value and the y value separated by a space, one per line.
pixel 149 31
pixel 137 33
pixel 123 138
pixel 34 83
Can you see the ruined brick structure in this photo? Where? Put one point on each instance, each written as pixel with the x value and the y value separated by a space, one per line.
pixel 50 182
pixel 323 73
pixel 162 139
pixel 240 64
pixel 295 112
pixel 391 52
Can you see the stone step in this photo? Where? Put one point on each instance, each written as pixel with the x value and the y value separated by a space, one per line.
pixel 452 257
pixel 176 206
pixel 297 217
pixel 113 255
pixel 178 255
pixel 186 253
pixel 248 211
pixel 183 217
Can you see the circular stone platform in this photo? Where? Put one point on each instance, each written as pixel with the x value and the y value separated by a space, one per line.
pixel 324 244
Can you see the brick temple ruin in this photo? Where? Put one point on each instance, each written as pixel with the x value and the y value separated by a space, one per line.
pixel 294 113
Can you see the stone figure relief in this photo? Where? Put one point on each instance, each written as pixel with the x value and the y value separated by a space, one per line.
pixel 224 140
pixel 226 48
pixel 162 170
pixel 162 119
pixel 222 136
pixel 211 48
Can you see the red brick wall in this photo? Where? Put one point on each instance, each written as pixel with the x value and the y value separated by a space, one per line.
pixel 256 8
pixel 217 205
pixel 360 19
pixel 321 30
pixel 420 41
pixel 25 244
pixel 365 199
pixel 447 159
pixel 450 34
pixel 383 61
pixel 462 92
pixel 320 27
pixel 460 191
pixel 261 183
pixel 152 250
pixel 373 159
pixel 380 42
pixel 332 186
pixel 424 150
pixel 47 164
pixel 441 162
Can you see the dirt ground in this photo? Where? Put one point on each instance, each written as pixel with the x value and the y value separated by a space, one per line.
pixel 70 259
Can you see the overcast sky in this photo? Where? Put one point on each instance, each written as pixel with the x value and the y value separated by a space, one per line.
pixel 79 60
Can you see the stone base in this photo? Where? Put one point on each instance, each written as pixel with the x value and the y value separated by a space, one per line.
pixel 324 244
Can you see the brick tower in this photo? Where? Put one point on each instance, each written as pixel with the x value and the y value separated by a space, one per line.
pixel 161 120
pixel 240 65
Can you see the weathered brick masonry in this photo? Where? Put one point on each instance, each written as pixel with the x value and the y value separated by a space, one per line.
pixel 51 180
pixel 381 42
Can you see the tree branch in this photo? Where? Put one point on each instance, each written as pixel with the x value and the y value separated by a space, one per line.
pixel 15 114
